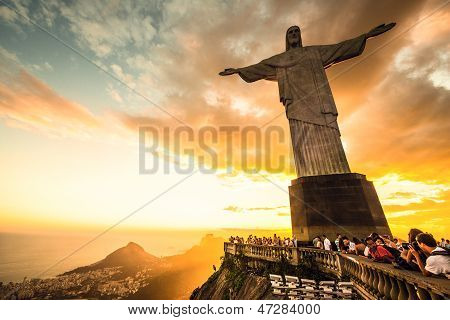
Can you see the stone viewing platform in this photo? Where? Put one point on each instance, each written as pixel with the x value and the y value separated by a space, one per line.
pixel 372 280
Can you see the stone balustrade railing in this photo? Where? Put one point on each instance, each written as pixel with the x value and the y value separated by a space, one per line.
pixel 372 280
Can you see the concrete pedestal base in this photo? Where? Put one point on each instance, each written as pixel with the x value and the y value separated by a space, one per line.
pixel 338 203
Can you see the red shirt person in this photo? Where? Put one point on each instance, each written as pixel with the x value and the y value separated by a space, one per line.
pixel 378 253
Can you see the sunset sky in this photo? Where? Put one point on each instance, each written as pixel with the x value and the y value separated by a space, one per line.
pixel 69 153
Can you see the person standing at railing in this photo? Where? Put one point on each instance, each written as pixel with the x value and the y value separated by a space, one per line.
pixel 359 246
pixel 291 243
pixel 438 261
pixel 350 246
pixel 319 244
pixel 314 241
pixel 338 242
pixel 341 245
pixel 294 241
pixel 286 242
pixel 326 243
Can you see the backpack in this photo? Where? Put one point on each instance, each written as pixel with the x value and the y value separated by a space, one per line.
pixel 445 252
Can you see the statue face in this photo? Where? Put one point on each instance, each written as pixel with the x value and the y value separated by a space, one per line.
pixel 294 37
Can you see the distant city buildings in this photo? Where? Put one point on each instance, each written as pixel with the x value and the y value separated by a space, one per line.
pixel 106 283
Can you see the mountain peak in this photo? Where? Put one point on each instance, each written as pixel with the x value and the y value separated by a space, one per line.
pixel 134 245
pixel 130 257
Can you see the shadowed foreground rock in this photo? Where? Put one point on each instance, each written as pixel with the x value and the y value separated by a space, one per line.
pixel 241 278
pixel 220 286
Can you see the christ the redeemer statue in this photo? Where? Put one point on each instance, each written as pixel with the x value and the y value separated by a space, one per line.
pixel 306 95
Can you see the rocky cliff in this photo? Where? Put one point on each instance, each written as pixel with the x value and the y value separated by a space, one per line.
pixel 225 284
pixel 240 278
pixel 232 281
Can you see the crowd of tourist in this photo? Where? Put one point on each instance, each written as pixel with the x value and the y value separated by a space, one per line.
pixel 266 241
pixel 420 253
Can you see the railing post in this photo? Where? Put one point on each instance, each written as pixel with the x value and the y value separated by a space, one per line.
pixel 435 296
pixel 338 264
pixel 395 289
pixel 295 256
pixel 423 294
pixel 328 260
pixel 381 283
pixel 387 287
pixel 403 294
pixel 412 295
pixel 370 279
pixel 364 275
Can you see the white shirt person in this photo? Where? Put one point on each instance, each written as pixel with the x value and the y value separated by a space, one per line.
pixel 327 243
pixel 438 262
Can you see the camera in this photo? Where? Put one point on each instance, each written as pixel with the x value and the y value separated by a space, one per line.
pixel 415 245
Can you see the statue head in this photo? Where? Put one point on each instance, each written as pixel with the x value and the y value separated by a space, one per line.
pixel 293 38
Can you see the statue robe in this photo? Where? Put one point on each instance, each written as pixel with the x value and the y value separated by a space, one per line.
pixel 310 107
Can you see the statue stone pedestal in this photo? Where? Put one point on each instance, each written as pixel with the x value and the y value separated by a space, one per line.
pixel 337 203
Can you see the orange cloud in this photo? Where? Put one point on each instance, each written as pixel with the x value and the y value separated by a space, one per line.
pixel 28 103
pixel 393 104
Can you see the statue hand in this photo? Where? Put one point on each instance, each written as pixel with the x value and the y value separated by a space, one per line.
pixel 228 71
pixel 382 28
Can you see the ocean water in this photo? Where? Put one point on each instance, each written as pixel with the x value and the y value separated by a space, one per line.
pixel 47 255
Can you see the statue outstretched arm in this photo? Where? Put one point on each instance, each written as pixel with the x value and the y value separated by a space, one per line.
pixel 228 72
pixel 382 28
pixel 253 73
pixel 335 53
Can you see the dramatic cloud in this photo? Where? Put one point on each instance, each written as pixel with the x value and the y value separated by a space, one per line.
pixel 393 100
pixel 28 103
pixel 397 191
